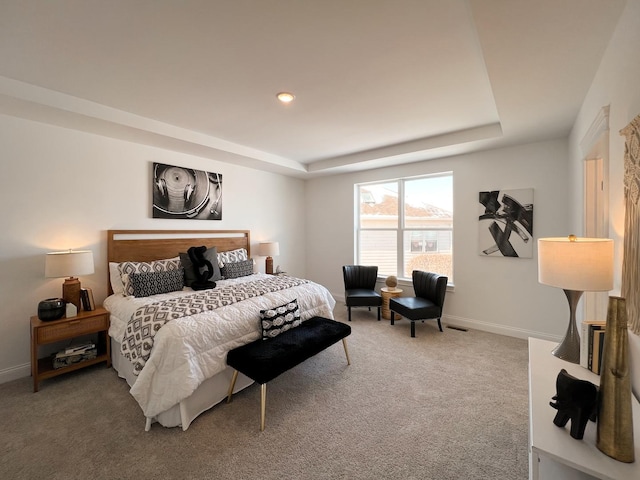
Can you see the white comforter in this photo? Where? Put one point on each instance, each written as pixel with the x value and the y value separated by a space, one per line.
pixel 190 349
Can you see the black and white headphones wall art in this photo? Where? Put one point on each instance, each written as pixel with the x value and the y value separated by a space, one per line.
pixel 180 192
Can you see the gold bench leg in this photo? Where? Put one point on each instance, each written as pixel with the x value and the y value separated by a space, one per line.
pixel 346 352
pixel 233 384
pixel 263 404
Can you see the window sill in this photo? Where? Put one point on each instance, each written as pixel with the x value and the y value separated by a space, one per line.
pixel 407 284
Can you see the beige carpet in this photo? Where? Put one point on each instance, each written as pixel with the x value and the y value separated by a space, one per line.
pixel 449 405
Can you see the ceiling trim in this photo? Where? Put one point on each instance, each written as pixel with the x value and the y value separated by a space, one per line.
pixel 599 126
pixel 417 148
pixel 42 105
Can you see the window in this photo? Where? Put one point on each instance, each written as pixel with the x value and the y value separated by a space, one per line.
pixel 406 224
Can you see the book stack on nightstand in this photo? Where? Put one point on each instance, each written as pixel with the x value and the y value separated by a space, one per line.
pixel 75 354
pixel 86 297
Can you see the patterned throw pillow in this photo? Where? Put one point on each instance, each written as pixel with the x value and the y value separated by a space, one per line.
pixel 154 283
pixel 232 256
pixel 280 319
pixel 237 269
pixel 127 268
pixel 210 254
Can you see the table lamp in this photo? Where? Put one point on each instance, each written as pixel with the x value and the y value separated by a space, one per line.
pixel 70 264
pixel 269 249
pixel 576 265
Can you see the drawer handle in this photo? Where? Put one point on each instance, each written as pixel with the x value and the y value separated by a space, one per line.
pixel 74 322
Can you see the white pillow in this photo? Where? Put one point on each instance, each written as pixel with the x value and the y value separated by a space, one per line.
pixel 114 277
pixel 232 256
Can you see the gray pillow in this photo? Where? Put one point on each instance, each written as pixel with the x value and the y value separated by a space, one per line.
pixel 210 254
pixel 237 269
pixel 154 283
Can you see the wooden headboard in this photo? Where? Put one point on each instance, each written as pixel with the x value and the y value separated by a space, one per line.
pixel 148 245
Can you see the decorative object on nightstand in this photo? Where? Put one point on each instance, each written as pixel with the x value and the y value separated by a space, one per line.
pixel 51 309
pixel 269 250
pixel 576 265
pixel 615 415
pixel 70 264
pixel 71 310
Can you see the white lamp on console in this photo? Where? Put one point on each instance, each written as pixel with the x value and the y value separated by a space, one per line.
pixel 269 250
pixel 576 265
pixel 70 264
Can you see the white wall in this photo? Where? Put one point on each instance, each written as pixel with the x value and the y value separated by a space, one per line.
pixel 616 84
pixel 494 294
pixel 63 189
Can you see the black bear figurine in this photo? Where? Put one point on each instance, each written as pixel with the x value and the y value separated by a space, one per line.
pixel 576 400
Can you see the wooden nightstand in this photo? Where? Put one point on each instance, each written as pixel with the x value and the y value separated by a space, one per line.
pixel 85 323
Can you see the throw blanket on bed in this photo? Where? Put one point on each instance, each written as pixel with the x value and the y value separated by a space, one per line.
pixel 147 320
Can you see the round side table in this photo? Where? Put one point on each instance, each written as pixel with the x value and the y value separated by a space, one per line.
pixel 388 293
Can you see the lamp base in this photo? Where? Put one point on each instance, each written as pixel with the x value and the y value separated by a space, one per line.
pixel 269 266
pixel 569 348
pixel 71 291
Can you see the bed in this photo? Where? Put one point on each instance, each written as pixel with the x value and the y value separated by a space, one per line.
pixel 184 371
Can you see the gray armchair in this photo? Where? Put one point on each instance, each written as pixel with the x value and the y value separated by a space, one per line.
pixel 430 289
pixel 359 287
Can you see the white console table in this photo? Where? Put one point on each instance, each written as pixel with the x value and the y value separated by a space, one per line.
pixel 553 453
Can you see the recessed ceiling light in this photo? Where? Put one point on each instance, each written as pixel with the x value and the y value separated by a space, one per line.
pixel 285 97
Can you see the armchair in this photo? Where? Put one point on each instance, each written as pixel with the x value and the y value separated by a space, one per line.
pixel 359 287
pixel 430 289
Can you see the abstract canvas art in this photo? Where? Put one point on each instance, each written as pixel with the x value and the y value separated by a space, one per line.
pixel 180 192
pixel 506 223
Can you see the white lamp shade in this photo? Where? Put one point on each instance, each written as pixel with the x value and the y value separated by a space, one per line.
pixel 71 263
pixel 580 264
pixel 268 249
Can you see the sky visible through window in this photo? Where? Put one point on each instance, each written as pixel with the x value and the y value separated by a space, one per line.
pixel 439 192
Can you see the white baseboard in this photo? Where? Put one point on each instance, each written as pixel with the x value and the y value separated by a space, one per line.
pixel 496 328
pixel 14 373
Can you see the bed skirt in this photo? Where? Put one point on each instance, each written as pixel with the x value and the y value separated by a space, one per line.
pixel 211 392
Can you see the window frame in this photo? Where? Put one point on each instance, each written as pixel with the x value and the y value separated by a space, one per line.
pixel 401 229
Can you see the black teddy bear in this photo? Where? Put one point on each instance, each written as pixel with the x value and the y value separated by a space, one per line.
pixel 202 267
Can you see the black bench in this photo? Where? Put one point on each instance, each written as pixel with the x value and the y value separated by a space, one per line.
pixel 264 360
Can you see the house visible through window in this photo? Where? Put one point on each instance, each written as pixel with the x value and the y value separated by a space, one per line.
pixel 406 224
